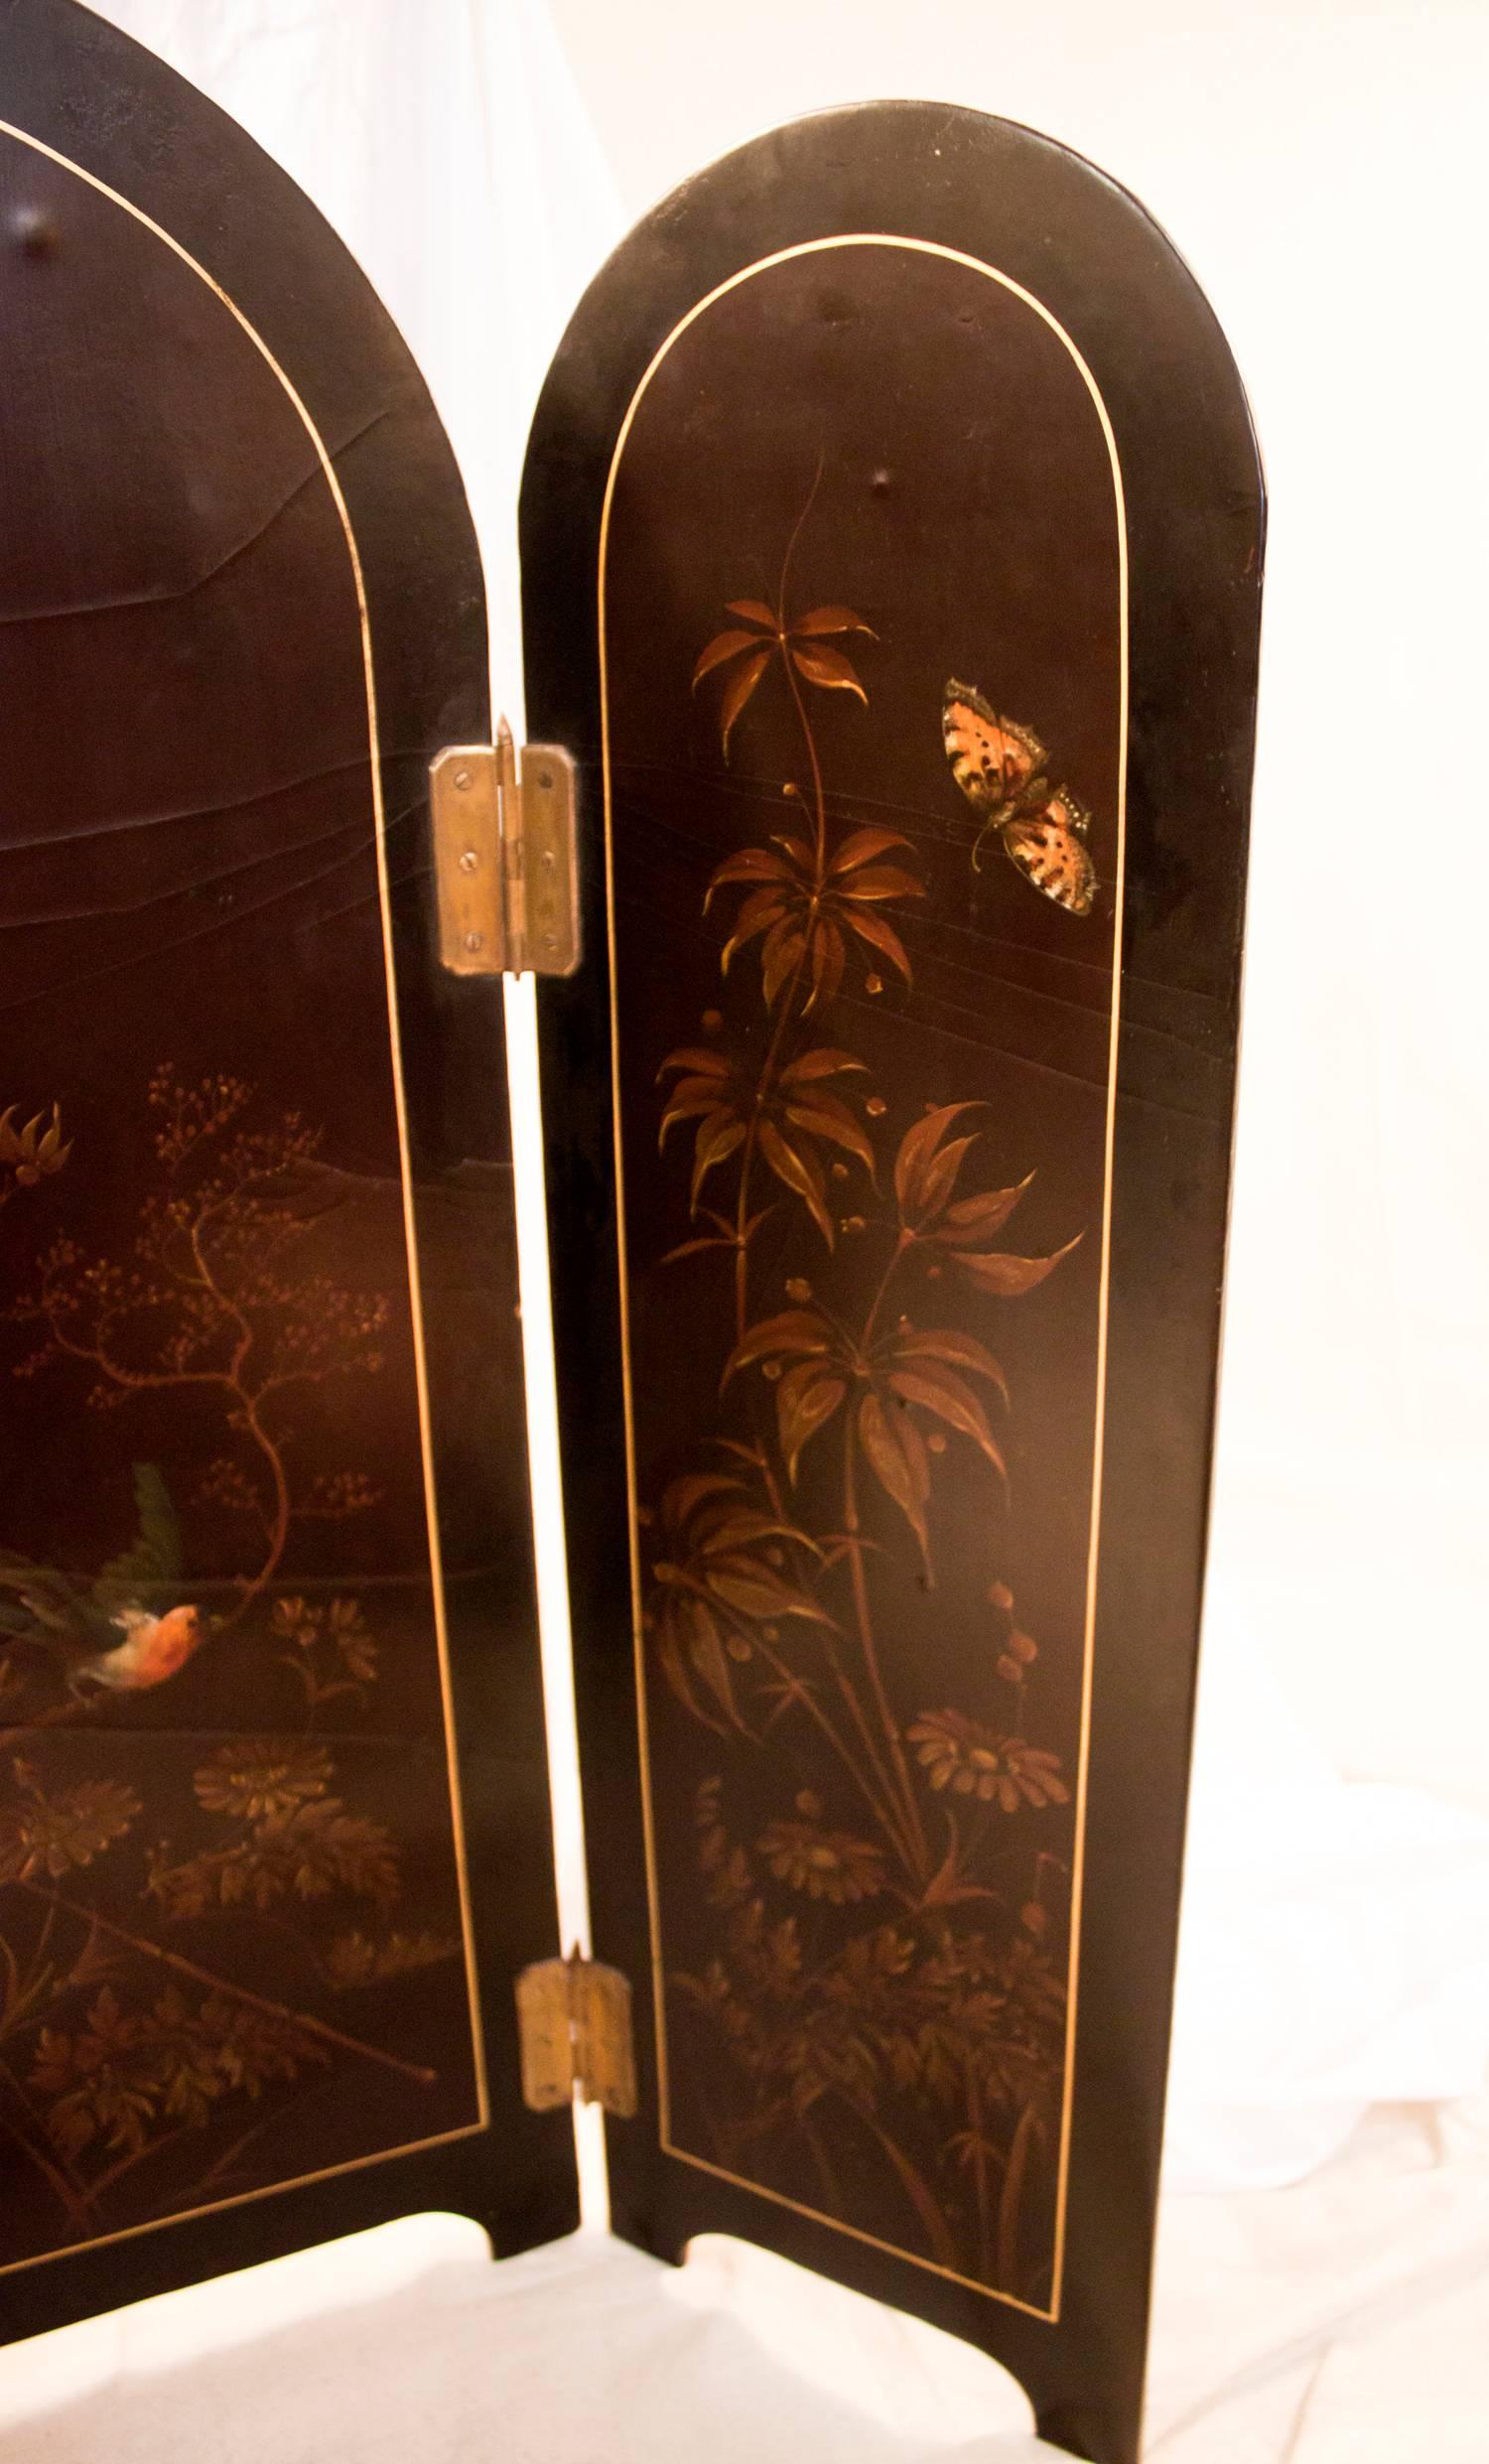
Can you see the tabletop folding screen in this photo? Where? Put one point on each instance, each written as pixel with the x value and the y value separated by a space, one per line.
pixel 891 543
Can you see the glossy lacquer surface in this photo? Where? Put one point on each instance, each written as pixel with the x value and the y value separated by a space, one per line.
pixel 890 1169
pixel 272 1803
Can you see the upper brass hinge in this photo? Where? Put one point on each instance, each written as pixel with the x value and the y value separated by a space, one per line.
pixel 505 862
pixel 573 2024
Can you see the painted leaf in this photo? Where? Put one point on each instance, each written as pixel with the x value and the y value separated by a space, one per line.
pixel 755 608
pixel 825 1063
pixel 899 1460
pixel 782 953
pixel 828 958
pixel 690 1491
pixel 882 881
pixel 723 646
pixel 714 1146
pixel 698 1089
pixel 750 864
pixel 740 1587
pixel 917 1151
pixel 834 1121
pixel 805 1401
pixel 755 1591
pixel 801 1172
pixel 862 846
pixel 948 1343
pixel 701 1059
pixel 828 668
pixel 723 1236
pixel 692 1099
pixel 942 1393
pixel 738 690
pixel 747 1528
pixel 972 1219
pixel 940 1175
pixel 993 1271
pixel 761 910
pixel 828 621
pixel 710 1659
pixel 793 1331
pixel 946 1888
pixel 880 936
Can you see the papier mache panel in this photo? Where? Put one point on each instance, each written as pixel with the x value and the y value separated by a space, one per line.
pixel 888 492
pixel 272 1805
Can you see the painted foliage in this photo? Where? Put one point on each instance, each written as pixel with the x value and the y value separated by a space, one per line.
pixel 864 1499
pixel 203 1926
pixel 231 1932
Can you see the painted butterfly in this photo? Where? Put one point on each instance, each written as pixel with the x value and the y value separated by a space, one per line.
pixel 1002 770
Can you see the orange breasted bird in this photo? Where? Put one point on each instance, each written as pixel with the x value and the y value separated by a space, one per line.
pixel 125 1632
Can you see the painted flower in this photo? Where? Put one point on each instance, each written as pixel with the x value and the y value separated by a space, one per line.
pixel 960 1753
pixel 826 1865
pixel 29 1153
pixel 295 1621
pixel 41 1835
pixel 263 1782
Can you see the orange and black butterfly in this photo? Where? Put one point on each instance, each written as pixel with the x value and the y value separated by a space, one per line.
pixel 1002 770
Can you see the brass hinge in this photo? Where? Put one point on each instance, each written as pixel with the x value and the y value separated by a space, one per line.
pixel 573 2024
pixel 504 863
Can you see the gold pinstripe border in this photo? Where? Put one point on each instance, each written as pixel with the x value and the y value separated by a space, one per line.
pixel 923 248
pixel 411 1246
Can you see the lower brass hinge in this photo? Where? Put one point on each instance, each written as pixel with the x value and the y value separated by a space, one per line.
pixel 573 2024
pixel 504 860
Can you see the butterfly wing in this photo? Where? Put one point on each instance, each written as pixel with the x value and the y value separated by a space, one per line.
pixel 1050 849
pixel 992 760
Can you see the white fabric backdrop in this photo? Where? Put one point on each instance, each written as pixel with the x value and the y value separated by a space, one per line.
pixel 1336 1936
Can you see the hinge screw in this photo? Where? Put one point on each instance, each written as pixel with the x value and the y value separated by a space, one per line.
pixel 463 778
pixel 476 940
pixel 470 860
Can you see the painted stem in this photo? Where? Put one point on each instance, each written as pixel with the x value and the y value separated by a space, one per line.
pixel 742 1265
pixel 916 1829
pixel 1008 2205
pixel 927 2206
pixel 881 1811
pixel 979 2168
pixel 762 1090
pixel 74 2199
pixel 223 1985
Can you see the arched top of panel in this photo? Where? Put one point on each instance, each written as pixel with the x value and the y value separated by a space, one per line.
pixel 891 537
pixel 1109 278
pixel 258 1284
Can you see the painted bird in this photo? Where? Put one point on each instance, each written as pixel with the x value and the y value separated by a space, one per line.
pixel 83 1623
